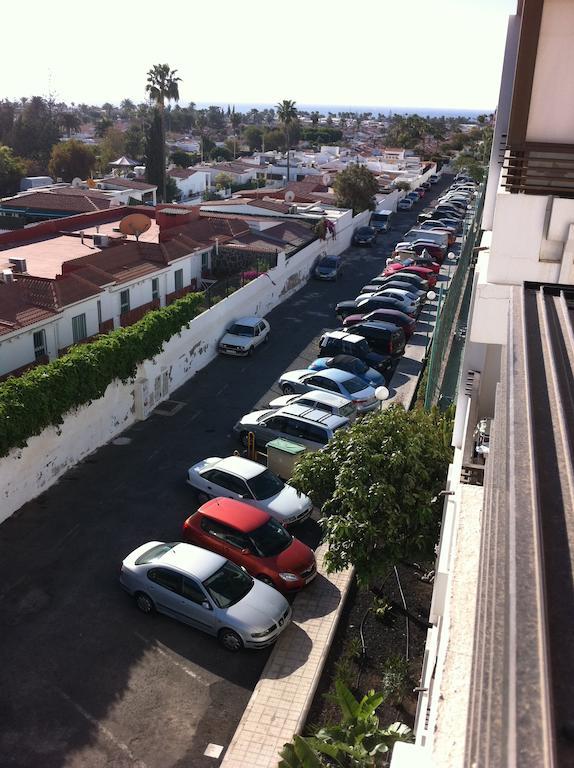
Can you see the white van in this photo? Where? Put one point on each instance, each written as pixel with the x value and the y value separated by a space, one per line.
pixel 440 238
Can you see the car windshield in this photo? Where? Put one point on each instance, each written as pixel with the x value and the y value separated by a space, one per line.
pixel 241 330
pixel 270 539
pixel 329 262
pixel 354 385
pixel 364 231
pixel 265 485
pixel 228 585
pixel 154 553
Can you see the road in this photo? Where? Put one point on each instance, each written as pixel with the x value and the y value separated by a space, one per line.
pixel 85 679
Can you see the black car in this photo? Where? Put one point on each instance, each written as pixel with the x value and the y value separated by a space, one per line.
pixel 354 307
pixel 365 236
pixel 395 282
pixel 348 363
pixel 415 280
pixel 328 268
pixel 344 342
pixel 385 338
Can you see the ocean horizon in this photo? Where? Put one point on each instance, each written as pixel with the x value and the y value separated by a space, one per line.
pixel 335 108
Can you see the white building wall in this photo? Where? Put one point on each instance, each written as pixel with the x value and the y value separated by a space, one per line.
pixel 29 471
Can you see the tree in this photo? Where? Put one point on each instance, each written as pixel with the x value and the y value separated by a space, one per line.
pixel 184 159
pixel 110 148
pixel 355 188
pixel 12 169
pixel 71 159
pixel 223 181
pixel 69 121
pixel 102 127
pixel 7 113
pixel 315 117
pixel 127 109
pixel 134 141
pixel 220 154
pixel 35 132
pixel 155 166
pixel 172 190
pixel 377 483
pixel 253 136
pixel 162 84
pixel 469 165
pixel 287 114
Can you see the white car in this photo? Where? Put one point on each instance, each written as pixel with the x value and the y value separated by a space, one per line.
pixel 319 400
pixel 244 335
pixel 238 478
pixel 405 204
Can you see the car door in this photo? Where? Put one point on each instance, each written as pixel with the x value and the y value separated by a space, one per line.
pixel 221 483
pixel 269 428
pixel 322 382
pixel 260 331
pixel 197 609
pixel 164 587
pixel 239 549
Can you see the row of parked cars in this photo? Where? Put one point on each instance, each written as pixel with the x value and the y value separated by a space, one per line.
pixel 238 558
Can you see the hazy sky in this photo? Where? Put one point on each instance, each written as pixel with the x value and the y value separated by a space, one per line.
pixel 446 53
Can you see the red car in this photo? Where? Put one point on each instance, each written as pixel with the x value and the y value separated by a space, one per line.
pixel 435 251
pixel 418 261
pixel 408 324
pixel 425 273
pixel 251 538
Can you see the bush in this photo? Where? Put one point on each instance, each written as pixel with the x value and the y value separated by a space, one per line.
pixel 41 397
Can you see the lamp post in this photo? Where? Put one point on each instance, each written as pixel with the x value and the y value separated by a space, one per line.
pixel 431 296
pixel 382 394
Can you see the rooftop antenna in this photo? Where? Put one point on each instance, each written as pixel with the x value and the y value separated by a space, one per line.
pixel 135 224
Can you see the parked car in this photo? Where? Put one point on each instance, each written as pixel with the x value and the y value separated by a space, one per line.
pixel 432 227
pixel 382 221
pixel 426 185
pixel 352 307
pixel 434 179
pixel 416 280
pixel 237 478
pixel 421 191
pixel 343 343
pixel 422 271
pixel 252 539
pixel 332 380
pixel 415 260
pixel 420 246
pixel 244 335
pixel 394 281
pixel 365 236
pixel 386 315
pixel 411 300
pixel 319 400
pixel 358 368
pixel 328 268
pixel 206 591
pixel 312 429
pixel 438 238
pixel 383 337
pixel 405 204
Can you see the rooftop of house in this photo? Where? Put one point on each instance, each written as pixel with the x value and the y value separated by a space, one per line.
pixel 64 199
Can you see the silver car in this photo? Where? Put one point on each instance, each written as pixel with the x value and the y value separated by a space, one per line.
pixel 206 591
pixel 331 380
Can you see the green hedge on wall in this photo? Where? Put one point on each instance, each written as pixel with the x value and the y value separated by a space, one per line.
pixel 41 397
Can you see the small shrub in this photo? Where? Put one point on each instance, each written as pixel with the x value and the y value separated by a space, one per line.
pixel 395 684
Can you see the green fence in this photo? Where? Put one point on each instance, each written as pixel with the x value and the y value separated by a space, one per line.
pixel 448 303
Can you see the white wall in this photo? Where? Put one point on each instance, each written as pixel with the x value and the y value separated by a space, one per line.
pixel 27 472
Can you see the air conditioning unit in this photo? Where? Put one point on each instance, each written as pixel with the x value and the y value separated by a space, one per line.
pixel 101 241
pixel 19 265
pixel 6 276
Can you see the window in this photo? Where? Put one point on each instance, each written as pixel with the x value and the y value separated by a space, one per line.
pixel 166 578
pixel 233 484
pixel 99 303
pixel 205 260
pixel 155 289
pixel 178 277
pixel 192 591
pixel 124 301
pixel 223 532
pixel 79 328
pixel 39 344
pixel 323 383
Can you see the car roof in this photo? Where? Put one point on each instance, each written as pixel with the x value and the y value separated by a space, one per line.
pixel 237 465
pixel 393 313
pixel 193 560
pixel 320 396
pixel 350 337
pixel 239 515
pixel 250 320
pixel 382 325
pixel 335 374
pixel 304 413
pixel 344 360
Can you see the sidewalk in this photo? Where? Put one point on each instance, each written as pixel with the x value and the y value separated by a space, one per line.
pixel 281 700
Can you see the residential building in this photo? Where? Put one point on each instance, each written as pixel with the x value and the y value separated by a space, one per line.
pixel 496 687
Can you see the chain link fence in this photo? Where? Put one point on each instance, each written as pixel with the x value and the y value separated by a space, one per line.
pixel 448 304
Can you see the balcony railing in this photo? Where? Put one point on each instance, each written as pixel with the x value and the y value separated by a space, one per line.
pixel 539 169
pixel 131 317
pixel 106 326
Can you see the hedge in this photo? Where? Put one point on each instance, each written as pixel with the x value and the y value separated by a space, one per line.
pixel 42 396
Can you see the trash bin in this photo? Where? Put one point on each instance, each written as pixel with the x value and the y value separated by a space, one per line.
pixel 282 456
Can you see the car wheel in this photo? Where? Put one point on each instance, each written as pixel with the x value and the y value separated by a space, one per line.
pixel 287 389
pixel 202 497
pixel 267 580
pixel 144 603
pixel 230 640
pixel 244 438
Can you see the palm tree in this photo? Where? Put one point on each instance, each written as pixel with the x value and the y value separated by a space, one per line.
pixel 287 115
pixel 162 84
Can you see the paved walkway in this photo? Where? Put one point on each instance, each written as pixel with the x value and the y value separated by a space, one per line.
pixel 281 700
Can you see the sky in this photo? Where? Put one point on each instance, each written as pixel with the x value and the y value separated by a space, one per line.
pixel 403 53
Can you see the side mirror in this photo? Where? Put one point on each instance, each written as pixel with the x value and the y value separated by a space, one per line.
pixel 244 552
pixel 207 605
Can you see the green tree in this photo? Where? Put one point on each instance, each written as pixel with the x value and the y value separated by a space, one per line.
pixel 377 483
pixel 127 109
pixel 162 84
pixel 183 159
pixel 112 146
pixel 69 122
pixel 102 127
pixel 221 154
pixel 35 132
pixel 134 141
pixel 287 115
pixel 469 164
pixel 274 139
pixel 223 181
pixel 315 118
pixel 172 190
pixel 253 136
pixel 7 112
pixel 155 166
pixel 355 188
pixel 12 169
pixel 71 159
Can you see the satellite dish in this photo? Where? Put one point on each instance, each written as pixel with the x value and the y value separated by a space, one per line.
pixel 289 196
pixel 77 182
pixel 135 224
pixel 326 179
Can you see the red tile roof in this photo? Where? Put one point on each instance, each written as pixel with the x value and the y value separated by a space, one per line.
pixel 68 200
pixel 123 183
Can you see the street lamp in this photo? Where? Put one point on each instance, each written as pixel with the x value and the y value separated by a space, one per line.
pixel 382 394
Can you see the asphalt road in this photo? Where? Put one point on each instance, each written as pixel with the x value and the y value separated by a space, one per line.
pixel 85 679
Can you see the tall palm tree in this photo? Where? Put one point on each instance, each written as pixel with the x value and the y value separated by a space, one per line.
pixel 287 115
pixel 162 84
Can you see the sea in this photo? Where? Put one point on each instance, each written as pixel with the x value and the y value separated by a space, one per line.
pixel 324 109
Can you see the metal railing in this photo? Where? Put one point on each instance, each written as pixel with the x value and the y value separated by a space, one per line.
pixel 448 306
pixel 539 169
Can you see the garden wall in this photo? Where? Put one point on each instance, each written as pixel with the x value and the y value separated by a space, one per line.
pixel 27 472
